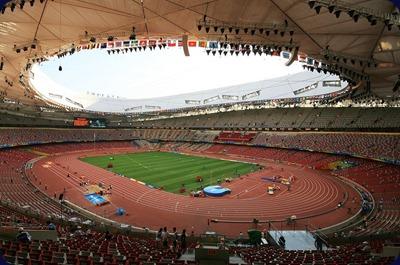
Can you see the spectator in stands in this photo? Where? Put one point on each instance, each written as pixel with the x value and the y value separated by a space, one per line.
pixel 365 247
pixel 51 226
pixel 108 236
pixel 318 242
pixel 282 241
pixel 158 237
pixel 78 231
pixel 23 236
pixel 183 240
pixel 164 237
pixel 175 239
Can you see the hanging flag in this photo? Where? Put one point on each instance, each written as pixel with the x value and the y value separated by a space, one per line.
pixel 275 53
pixel 134 43
pixel 286 55
pixel 143 43
pixel 192 43
pixel 111 44
pixel 180 43
pixel 202 43
pixel 152 42
pixel 118 44
pixel 126 43
pixel 162 41
pixel 213 44
pixel 103 45
pixel 171 43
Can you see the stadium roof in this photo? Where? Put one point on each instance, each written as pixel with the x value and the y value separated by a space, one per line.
pixel 298 85
pixel 51 27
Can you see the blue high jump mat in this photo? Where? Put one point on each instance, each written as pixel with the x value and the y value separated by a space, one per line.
pixel 216 191
pixel 96 199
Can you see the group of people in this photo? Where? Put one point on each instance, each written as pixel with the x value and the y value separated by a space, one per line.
pixel 174 241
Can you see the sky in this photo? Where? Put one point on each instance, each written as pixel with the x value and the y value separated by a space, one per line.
pixel 148 74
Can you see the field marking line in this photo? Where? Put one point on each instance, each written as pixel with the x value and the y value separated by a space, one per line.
pixel 140 164
pixel 141 196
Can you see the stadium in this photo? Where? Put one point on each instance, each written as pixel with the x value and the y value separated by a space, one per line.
pixel 199 132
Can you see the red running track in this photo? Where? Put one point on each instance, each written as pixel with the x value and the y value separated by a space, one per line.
pixel 313 193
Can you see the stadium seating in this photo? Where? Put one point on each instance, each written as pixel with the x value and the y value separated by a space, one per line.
pixel 371 145
pixel 235 137
pixel 16 189
pixel 285 118
pixel 340 256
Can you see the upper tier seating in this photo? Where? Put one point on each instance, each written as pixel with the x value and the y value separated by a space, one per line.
pixel 285 118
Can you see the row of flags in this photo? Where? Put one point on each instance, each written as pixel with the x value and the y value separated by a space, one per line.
pixel 147 42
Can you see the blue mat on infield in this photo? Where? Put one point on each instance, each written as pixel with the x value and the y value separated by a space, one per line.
pixel 216 191
pixel 95 198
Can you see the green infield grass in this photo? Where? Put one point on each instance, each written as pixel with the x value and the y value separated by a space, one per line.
pixel 172 171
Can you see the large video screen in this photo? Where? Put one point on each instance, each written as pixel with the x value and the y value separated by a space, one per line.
pixel 97 123
pixel 92 123
pixel 81 122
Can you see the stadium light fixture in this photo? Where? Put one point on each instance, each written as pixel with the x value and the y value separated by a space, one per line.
pixel 356 12
pixel 355 17
pixel 389 24
pixel 318 9
pixel 396 85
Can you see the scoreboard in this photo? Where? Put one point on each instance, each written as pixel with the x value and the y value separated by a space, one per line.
pixel 90 122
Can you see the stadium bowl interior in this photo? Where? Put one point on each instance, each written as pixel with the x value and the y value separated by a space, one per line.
pixel 302 168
